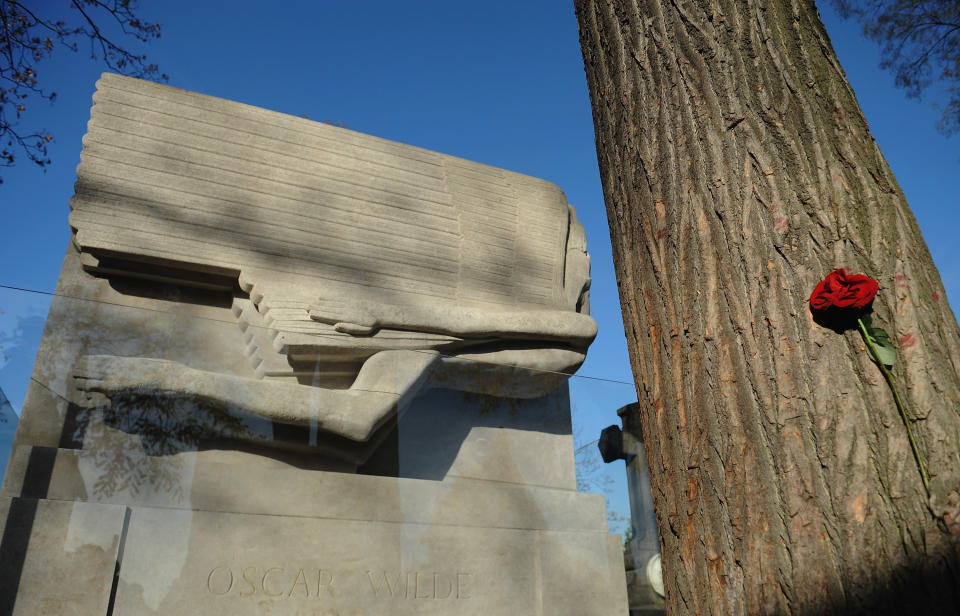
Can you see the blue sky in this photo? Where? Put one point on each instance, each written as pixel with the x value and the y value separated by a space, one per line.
pixel 497 82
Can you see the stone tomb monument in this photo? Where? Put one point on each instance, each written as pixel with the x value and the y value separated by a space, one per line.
pixel 292 369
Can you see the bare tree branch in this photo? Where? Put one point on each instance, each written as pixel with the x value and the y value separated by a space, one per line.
pixel 920 43
pixel 27 37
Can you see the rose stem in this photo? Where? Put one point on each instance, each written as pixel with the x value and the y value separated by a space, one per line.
pixel 899 402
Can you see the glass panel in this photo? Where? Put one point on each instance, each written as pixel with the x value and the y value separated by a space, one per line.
pixel 163 441
pixel 22 315
pixel 292 369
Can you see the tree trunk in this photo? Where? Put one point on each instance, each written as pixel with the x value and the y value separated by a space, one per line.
pixel 738 170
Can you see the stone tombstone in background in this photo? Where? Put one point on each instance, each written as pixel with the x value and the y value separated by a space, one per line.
pixel 641 553
pixel 293 369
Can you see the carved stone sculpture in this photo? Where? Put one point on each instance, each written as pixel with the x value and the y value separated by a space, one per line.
pixel 409 266
pixel 295 369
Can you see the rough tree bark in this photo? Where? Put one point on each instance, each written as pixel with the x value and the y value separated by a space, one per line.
pixel 738 170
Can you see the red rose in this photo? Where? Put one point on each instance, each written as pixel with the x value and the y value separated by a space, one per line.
pixel 845 291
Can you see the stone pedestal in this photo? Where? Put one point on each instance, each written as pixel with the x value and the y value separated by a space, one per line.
pixel 240 538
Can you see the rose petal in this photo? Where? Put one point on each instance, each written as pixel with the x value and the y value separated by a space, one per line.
pixel 841 290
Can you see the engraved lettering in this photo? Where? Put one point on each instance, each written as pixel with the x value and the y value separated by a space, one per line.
pixel 462 591
pixel 308 583
pixel 210 582
pixel 329 583
pixel 416 587
pixel 300 580
pixel 414 584
pixel 252 583
pixel 263 582
pixel 437 577
pixel 389 588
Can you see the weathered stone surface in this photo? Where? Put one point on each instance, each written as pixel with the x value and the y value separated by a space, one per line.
pixel 244 486
pixel 363 264
pixel 329 566
pixel 58 558
pixel 218 186
pixel 284 347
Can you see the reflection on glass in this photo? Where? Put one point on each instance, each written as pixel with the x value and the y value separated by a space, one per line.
pixel 8 425
pixel 298 370
pixel 171 484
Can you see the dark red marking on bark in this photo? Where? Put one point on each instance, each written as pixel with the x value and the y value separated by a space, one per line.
pixel 662 233
pixel 779 224
pixel 907 341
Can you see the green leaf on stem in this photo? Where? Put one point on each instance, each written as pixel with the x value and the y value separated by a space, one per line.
pixel 886 353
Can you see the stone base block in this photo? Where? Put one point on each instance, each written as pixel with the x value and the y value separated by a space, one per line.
pixel 58 558
pixel 193 562
pixel 292 542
